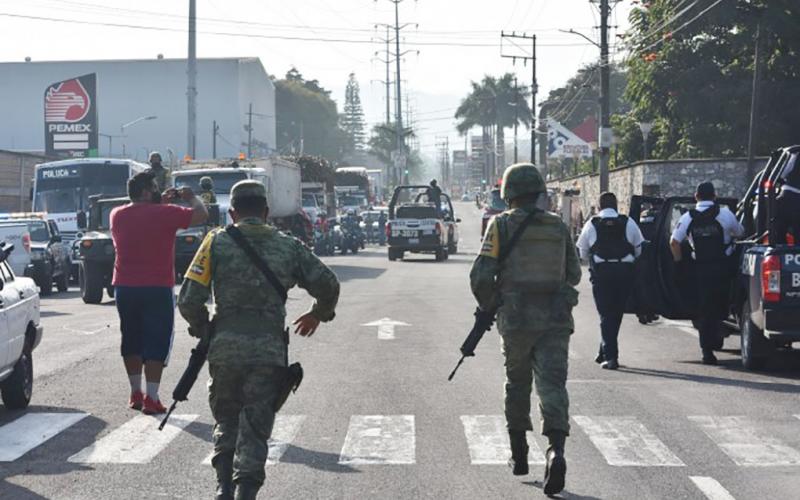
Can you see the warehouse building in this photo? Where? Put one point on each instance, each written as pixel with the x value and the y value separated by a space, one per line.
pixel 149 96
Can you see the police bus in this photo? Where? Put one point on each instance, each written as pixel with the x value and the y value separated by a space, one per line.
pixel 61 189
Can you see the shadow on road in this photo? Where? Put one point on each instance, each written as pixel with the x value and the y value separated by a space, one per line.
pixel 48 314
pixel 320 460
pixel 72 294
pixel 706 379
pixel 564 494
pixel 347 273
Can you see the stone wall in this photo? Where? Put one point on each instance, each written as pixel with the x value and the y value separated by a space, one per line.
pixel 16 174
pixel 661 178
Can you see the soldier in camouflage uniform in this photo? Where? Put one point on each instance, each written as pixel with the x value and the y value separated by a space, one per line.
pixel 207 190
pixel 162 175
pixel 534 291
pixel 249 344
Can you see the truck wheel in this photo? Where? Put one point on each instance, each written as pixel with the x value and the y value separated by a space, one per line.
pixel 452 248
pixel 91 283
pixel 45 284
pixel 344 250
pixel 62 282
pixel 440 255
pixel 755 348
pixel 18 388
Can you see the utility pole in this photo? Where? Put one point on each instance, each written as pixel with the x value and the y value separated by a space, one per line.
pixel 250 132
pixel 604 138
pixel 399 119
pixel 388 78
pixel 754 104
pixel 516 119
pixel 534 84
pixel 191 88
pixel 215 131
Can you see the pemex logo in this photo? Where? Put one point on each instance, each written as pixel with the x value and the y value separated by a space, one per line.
pixel 67 102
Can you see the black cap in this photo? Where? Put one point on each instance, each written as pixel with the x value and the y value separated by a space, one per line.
pixel 706 191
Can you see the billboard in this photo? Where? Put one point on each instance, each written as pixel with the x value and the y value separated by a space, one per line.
pixel 70 117
pixel 563 143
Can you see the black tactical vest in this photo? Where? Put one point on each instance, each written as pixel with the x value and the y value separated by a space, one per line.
pixel 793 179
pixel 612 242
pixel 708 237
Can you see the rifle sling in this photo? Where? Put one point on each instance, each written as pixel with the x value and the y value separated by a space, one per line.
pixel 236 234
pixel 505 252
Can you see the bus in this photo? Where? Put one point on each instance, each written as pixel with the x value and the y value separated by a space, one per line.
pixel 61 189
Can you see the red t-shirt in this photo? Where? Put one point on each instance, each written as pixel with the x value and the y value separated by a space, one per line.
pixel 144 240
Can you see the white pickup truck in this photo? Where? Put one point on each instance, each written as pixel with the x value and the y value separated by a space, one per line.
pixel 17 234
pixel 418 226
pixel 20 333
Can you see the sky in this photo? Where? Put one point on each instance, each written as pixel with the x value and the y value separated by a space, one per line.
pixel 449 42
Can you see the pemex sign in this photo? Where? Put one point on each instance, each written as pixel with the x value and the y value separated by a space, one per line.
pixel 70 117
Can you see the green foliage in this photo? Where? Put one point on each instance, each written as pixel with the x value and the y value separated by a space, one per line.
pixel 695 83
pixel 579 98
pixel 352 120
pixel 307 118
pixel 384 140
pixel 313 168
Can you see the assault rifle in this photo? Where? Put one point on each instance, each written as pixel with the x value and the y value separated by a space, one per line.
pixel 483 323
pixel 189 377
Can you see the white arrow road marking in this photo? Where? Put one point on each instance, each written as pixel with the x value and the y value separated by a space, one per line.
pixel 386 327
pixel 711 488
pixel 29 431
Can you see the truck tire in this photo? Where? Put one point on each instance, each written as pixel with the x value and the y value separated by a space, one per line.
pixel 441 255
pixel 91 283
pixel 755 348
pixel 62 282
pixel 18 388
pixel 45 284
pixel 452 248
pixel 392 255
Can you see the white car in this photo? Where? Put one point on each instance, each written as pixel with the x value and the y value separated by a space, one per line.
pixel 20 334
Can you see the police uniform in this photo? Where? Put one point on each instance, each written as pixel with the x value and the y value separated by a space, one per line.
pixel 249 343
pixel 610 242
pixel 788 202
pixel 534 288
pixel 711 230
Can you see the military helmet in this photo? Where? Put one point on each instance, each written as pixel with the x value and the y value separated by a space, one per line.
pixel 248 188
pixel 153 155
pixel 521 179
pixel 206 182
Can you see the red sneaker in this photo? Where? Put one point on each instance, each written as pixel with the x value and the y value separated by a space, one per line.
pixel 152 407
pixel 136 400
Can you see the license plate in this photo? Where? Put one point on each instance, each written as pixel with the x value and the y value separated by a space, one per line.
pixel 413 241
pixel 405 233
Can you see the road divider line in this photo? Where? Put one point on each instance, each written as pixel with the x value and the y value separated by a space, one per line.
pixel 626 442
pixel 711 488
pixel 487 438
pixel 31 430
pixel 379 439
pixel 137 441
pixel 284 433
pixel 740 439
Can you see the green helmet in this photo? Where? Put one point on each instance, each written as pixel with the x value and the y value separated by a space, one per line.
pixel 520 179
pixel 206 182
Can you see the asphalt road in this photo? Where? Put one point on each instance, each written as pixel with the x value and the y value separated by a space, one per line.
pixel 376 417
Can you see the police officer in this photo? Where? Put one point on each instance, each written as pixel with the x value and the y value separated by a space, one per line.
pixel 610 242
pixel 788 202
pixel 249 345
pixel 207 190
pixel 435 195
pixel 162 175
pixel 533 283
pixel 382 228
pixel 711 229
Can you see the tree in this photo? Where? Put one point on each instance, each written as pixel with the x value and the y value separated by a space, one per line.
pixel 352 120
pixel 384 141
pixel 307 118
pixel 693 80
pixel 494 104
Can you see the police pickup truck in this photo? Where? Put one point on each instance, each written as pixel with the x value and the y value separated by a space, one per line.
pixel 764 302
pixel 417 226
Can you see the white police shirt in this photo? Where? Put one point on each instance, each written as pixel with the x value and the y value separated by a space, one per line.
pixel 588 237
pixel 730 225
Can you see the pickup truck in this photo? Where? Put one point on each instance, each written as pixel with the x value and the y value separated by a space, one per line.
pixel 50 256
pixel 764 304
pixel 20 333
pixel 417 226
pixel 14 233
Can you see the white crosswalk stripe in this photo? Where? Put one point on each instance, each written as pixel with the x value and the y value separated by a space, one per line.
pixel 137 441
pixel 488 442
pixel 283 433
pixel 624 441
pixel 379 439
pixel 742 441
pixel 711 488
pixel 31 430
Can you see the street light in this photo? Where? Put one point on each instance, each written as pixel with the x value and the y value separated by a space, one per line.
pixel 645 127
pixel 130 124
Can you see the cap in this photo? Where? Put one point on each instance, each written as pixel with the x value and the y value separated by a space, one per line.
pixel 248 188
pixel 706 190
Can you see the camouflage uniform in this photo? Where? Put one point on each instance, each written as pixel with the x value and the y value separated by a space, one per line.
pixel 162 177
pixel 207 197
pixel 249 340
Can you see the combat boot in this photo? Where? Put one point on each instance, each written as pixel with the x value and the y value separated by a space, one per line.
pixel 247 490
pixel 556 469
pixel 224 469
pixel 519 453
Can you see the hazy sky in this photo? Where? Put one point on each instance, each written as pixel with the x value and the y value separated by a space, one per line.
pixel 458 41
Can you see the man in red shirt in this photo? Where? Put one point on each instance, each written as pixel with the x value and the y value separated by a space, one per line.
pixel 144 276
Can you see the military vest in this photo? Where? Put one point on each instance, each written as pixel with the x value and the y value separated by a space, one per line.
pixel 612 241
pixel 537 263
pixel 708 237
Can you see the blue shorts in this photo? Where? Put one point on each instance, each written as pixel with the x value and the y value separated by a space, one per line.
pixel 147 320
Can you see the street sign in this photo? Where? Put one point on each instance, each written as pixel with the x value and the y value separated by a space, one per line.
pixel 70 118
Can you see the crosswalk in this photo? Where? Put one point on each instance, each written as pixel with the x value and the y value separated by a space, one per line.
pixel 622 441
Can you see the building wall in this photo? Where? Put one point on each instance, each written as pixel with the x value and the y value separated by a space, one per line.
pixel 127 90
pixel 16 174
pixel 661 178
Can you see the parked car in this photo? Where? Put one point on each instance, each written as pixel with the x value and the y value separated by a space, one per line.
pixel 20 333
pixel 494 205
pixel 51 260
pixel 13 233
